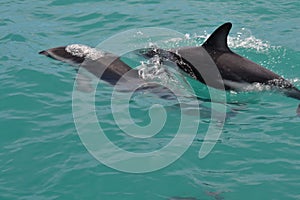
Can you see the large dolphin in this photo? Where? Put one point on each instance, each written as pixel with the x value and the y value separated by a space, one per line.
pixel 234 71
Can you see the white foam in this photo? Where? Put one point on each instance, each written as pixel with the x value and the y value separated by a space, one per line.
pixel 84 51
pixel 249 87
pixel 295 80
pixel 187 36
pixel 250 42
pixel 258 87
pixel 152 69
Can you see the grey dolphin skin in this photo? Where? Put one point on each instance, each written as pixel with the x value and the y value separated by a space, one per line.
pixel 234 71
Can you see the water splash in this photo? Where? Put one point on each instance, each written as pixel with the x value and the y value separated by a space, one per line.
pixel 242 39
pixel 295 81
pixel 257 87
pixel 154 70
pixel 245 39
pixel 84 51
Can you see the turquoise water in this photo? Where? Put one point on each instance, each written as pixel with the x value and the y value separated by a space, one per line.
pixel 42 157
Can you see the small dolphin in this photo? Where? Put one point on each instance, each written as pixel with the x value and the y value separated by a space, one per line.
pixel 107 67
pixel 103 65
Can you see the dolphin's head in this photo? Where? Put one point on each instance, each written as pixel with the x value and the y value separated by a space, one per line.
pixel 60 53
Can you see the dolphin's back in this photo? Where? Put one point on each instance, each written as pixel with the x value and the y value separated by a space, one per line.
pixel 236 68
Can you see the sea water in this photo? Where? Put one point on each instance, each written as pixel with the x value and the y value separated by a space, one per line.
pixel 43 156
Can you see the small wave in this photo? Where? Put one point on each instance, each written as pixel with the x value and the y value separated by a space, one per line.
pixel 13 37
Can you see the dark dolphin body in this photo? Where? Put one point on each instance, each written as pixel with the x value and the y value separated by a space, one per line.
pixel 234 72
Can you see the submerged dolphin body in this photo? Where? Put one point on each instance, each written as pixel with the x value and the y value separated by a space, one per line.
pixel 234 72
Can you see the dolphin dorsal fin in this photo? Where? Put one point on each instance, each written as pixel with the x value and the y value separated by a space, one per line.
pixel 218 39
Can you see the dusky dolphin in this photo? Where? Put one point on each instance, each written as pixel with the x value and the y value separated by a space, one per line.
pixel 234 71
pixel 103 65
pixel 107 67
pixel 237 73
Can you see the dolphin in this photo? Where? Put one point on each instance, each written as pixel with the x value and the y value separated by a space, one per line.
pixel 236 73
pixel 103 65
pixel 107 67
